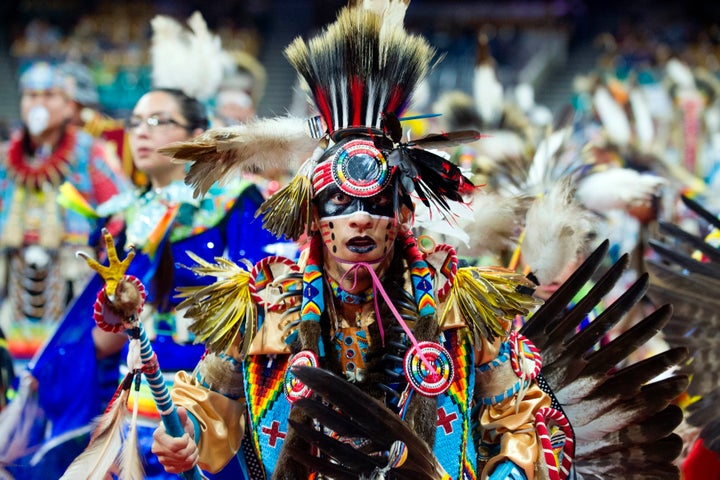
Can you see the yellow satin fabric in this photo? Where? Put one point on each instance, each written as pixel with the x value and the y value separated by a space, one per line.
pixel 222 420
pixel 519 442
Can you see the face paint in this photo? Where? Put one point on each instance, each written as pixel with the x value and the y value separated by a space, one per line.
pixel 358 234
pixel 333 202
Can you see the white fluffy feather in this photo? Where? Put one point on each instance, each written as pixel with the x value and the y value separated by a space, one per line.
pixel 391 11
pixel 499 145
pixel 190 60
pixel 211 61
pixel 617 188
pixel 460 213
pixel 556 229
pixel 131 467
pixel 494 224
pixel 257 146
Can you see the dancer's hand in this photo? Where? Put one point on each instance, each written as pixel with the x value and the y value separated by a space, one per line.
pixel 176 454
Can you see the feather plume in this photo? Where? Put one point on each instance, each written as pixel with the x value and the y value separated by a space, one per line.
pixel 546 167
pixel 487 89
pixel 700 211
pixel 433 179
pixel 692 287
pixel 131 467
pixel 556 231
pixel 259 145
pixel 105 444
pixel 457 111
pixel 361 67
pixel 580 311
pixel 190 60
pixel 223 309
pixel 445 140
pixel 391 11
pixel 287 212
pixel 643 121
pixel 612 116
pixel 460 213
pixel 487 296
pixel 541 322
pixel 618 188
pixel 427 172
pixel 493 223
pixel 693 241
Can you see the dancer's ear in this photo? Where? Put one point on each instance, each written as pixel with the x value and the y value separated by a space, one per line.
pixel 406 218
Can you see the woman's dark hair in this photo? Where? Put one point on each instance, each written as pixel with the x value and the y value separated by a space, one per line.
pixel 194 112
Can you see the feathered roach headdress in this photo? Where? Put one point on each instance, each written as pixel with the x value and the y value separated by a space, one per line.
pixel 360 73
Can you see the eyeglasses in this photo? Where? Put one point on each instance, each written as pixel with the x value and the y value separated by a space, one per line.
pixel 154 122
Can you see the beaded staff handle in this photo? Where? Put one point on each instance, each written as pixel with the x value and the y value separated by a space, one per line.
pixel 123 306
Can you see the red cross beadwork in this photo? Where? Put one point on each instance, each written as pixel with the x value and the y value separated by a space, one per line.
pixel 274 433
pixel 445 421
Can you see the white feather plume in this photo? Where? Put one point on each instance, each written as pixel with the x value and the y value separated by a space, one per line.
pixel 460 212
pixel 488 94
pixel 618 189
pixel 500 145
pixel 131 467
pixel 612 116
pixel 391 11
pixel 190 60
pixel 643 122
pixel 556 231
pixel 494 224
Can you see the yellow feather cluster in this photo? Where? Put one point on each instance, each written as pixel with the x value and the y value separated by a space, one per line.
pixel 287 212
pixel 486 296
pixel 220 310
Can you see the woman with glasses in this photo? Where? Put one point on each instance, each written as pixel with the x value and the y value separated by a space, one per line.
pixel 221 223
pixel 163 221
